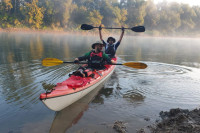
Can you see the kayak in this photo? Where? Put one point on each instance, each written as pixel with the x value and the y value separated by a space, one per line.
pixel 74 88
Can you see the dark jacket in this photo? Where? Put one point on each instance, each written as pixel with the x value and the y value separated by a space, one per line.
pixel 111 49
pixel 96 62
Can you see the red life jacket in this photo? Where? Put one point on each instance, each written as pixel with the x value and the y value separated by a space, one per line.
pixel 100 54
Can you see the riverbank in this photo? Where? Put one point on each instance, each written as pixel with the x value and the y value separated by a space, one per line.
pixel 95 32
pixel 176 121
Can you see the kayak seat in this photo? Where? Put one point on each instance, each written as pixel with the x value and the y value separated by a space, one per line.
pixel 77 73
pixel 88 73
pixel 83 73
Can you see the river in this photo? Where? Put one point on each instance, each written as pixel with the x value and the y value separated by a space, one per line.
pixel 134 96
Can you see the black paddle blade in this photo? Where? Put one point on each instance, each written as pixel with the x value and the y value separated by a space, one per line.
pixel 86 27
pixel 138 29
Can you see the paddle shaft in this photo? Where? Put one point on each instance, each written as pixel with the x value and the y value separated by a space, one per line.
pixel 54 62
pixel 75 63
pixel 87 63
pixel 111 28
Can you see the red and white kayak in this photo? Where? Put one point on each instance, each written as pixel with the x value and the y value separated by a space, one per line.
pixel 74 88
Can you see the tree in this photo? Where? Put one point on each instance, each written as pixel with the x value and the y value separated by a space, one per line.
pixel 169 17
pixel 5 11
pixel 108 13
pixel 197 18
pixel 67 13
pixel 120 16
pixel 187 16
pixel 6 6
pixel 34 14
pixel 60 11
pixel 136 12
pixel 151 18
pixel 16 6
pixel 79 16
pixel 95 17
pixel 48 13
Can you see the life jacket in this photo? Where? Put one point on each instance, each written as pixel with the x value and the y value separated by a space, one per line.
pixel 96 60
pixel 110 50
pixel 100 54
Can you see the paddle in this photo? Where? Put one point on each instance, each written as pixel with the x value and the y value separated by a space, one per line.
pixel 136 28
pixel 54 62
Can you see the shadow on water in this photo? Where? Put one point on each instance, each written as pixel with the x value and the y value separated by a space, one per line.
pixel 103 92
pixel 69 116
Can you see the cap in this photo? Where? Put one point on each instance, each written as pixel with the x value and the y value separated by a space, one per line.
pixel 96 43
pixel 111 38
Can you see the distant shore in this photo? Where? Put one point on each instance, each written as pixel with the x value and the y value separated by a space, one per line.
pixel 94 33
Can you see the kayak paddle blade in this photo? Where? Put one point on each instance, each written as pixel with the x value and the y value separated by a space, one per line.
pixel 138 29
pixel 136 65
pixel 51 62
pixel 86 27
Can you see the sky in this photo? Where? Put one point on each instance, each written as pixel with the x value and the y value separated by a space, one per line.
pixel 190 2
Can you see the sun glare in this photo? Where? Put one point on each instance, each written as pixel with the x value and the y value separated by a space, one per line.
pixel 190 2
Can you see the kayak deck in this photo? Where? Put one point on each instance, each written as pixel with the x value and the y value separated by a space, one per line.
pixel 76 83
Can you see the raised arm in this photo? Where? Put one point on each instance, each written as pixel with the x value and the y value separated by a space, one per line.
pixel 122 34
pixel 100 35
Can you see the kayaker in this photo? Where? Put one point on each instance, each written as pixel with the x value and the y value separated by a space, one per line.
pixel 111 46
pixel 96 59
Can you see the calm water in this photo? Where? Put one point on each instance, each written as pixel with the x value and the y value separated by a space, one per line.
pixel 171 80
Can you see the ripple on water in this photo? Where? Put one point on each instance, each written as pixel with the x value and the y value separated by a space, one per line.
pixel 172 84
pixel 22 82
pixel 133 96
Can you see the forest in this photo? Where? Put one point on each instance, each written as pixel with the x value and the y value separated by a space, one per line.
pixel 159 19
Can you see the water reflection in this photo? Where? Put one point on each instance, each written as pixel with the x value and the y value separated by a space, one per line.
pixel 166 50
pixel 104 92
pixel 20 48
pixel 28 47
pixel 65 118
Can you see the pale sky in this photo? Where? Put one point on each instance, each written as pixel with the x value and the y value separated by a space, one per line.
pixel 190 2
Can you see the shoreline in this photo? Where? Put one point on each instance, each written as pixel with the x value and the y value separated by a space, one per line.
pixel 91 33
pixel 178 120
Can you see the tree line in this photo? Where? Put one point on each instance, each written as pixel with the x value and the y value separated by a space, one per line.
pixel 165 18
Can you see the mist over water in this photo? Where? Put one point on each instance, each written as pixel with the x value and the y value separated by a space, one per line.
pixel 171 80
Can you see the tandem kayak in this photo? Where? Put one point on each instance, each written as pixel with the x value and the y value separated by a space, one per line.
pixel 74 88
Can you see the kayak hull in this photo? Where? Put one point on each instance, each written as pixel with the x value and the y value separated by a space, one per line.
pixel 64 95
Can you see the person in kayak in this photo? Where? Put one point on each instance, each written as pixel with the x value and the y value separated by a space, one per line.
pixel 111 46
pixel 96 60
